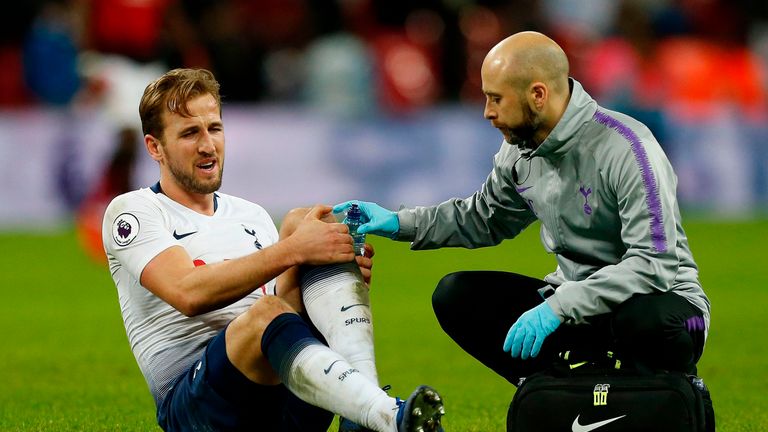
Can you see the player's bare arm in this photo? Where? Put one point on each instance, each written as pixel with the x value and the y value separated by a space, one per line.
pixel 172 276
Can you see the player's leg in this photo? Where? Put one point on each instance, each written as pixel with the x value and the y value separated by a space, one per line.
pixel 214 395
pixel 335 297
pixel 337 301
pixel 270 343
pixel 477 308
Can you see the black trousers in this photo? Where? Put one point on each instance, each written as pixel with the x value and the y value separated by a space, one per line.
pixel 651 332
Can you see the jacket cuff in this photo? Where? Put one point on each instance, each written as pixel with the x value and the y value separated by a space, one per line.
pixel 557 308
pixel 407 225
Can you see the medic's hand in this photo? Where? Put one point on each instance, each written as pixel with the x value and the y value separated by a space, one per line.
pixel 378 220
pixel 527 334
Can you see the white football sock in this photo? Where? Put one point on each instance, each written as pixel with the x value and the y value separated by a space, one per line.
pixel 325 379
pixel 336 299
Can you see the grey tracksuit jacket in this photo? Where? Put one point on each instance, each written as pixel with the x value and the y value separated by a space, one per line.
pixel 605 194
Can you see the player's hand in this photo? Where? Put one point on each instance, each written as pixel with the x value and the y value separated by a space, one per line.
pixel 365 262
pixel 317 242
pixel 527 334
pixel 378 220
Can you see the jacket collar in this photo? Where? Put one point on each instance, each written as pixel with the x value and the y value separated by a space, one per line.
pixel 581 107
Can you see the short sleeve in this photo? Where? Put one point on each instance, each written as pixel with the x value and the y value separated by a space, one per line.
pixel 134 231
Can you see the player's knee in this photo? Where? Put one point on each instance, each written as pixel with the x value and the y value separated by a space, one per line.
pixel 291 220
pixel 271 306
pixel 262 312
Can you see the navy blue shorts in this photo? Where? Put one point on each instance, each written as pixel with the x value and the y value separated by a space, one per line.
pixel 214 396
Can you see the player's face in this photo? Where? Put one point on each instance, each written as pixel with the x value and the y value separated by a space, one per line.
pixel 194 146
pixel 508 110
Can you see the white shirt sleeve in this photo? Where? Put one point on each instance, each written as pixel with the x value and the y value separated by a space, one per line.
pixel 135 230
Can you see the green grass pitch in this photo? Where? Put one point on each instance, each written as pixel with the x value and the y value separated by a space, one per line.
pixel 65 364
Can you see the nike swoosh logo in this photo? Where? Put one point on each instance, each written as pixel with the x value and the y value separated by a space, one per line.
pixel 327 371
pixel 346 308
pixel 523 189
pixel 576 427
pixel 181 236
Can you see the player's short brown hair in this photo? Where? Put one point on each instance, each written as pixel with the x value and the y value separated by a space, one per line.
pixel 172 92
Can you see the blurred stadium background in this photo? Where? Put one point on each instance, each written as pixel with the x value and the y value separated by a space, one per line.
pixel 366 98
pixel 327 100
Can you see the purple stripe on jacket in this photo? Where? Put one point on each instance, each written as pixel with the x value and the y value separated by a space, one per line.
pixel 652 200
pixel 694 324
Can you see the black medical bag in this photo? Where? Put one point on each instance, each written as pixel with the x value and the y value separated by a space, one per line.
pixel 591 396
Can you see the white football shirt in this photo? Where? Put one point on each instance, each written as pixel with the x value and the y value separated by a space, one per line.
pixel 138 226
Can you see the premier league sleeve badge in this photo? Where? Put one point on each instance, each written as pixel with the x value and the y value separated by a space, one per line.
pixel 125 228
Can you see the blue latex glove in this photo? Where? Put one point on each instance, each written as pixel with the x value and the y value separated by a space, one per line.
pixel 378 220
pixel 527 334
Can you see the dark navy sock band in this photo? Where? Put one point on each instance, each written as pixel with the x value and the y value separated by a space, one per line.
pixel 283 339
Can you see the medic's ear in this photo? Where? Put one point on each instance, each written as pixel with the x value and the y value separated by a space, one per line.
pixel 538 95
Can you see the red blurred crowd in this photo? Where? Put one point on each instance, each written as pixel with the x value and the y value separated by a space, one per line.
pixel 393 55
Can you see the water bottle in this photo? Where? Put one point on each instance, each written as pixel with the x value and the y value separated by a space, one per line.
pixel 354 220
